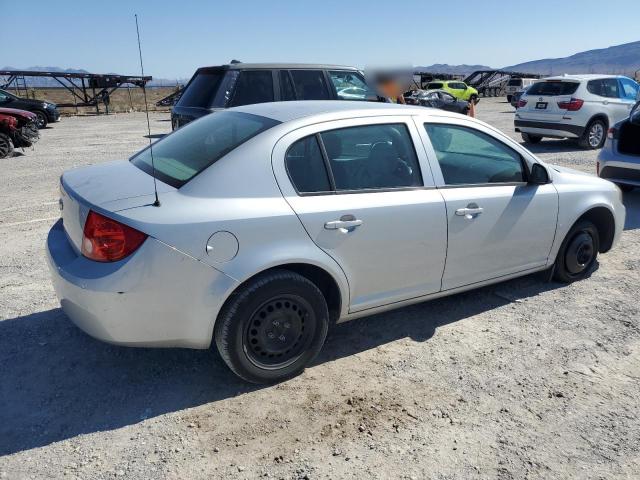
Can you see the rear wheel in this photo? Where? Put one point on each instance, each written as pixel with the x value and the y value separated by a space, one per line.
pixel 6 146
pixel 578 252
pixel 594 135
pixel 273 327
pixel 42 119
pixel 528 138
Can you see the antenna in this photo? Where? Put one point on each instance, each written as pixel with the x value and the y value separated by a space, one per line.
pixel 146 109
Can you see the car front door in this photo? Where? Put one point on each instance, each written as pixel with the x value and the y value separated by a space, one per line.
pixel 366 197
pixel 498 224
pixel 628 94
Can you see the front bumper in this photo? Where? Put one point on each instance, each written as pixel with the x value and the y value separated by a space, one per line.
pixel 157 297
pixel 53 115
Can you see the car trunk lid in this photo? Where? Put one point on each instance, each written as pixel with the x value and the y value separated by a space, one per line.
pixel 108 187
pixel 544 100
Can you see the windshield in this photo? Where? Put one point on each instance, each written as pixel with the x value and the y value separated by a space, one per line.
pixel 189 150
pixel 553 88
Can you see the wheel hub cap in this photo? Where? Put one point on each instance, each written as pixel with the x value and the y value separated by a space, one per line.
pixel 579 253
pixel 596 133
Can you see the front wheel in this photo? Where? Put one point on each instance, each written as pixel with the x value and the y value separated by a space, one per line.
pixel 42 119
pixel 577 253
pixel 273 327
pixel 528 138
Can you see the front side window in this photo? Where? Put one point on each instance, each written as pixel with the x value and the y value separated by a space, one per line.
pixel 349 85
pixel 372 157
pixel 310 85
pixel 457 86
pixel 306 166
pixel 468 156
pixel 189 150
pixel 252 86
pixel 629 89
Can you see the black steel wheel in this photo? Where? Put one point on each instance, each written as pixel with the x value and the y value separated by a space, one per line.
pixel 273 327
pixel 6 146
pixel 279 331
pixel 42 119
pixel 578 252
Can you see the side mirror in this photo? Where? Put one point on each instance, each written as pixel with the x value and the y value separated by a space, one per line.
pixel 538 175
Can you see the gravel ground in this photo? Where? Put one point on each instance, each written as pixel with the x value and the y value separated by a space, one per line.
pixel 524 379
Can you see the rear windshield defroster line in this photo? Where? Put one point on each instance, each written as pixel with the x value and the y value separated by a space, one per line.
pixel 183 154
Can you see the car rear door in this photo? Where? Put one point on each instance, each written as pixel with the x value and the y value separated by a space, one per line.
pixel 366 197
pixel 498 224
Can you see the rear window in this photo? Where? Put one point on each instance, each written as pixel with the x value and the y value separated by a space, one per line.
pixel 201 89
pixel 515 82
pixel 434 86
pixel 553 88
pixel 188 151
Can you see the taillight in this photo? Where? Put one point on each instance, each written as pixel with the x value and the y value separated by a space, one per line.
pixel 521 103
pixel 612 133
pixel 106 240
pixel 572 105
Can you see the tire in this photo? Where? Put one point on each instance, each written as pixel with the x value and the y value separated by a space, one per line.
pixel 591 140
pixel 6 146
pixel 252 328
pixel 528 138
pixel 42 120
pixel 577 253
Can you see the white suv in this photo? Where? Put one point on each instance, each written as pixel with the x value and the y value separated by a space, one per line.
pixel 581 107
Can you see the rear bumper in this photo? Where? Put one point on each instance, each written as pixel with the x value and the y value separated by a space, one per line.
pixel 551 129
pixel 156 297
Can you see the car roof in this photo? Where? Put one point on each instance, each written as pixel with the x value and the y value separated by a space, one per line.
pixel 586 76
pixel 288 111
pixel 258 66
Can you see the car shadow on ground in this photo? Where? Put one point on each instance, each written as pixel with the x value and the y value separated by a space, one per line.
pixel 631 201
pixel 57 383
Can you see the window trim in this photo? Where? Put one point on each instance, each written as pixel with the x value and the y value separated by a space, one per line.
pixel 327 164
pixel 523 162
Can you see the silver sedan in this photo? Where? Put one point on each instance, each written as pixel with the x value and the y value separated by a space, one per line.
pixel 277 220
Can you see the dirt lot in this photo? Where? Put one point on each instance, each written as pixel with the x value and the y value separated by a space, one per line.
pixel 524 379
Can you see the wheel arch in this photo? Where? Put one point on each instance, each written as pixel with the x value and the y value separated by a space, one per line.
pixel 605 223
pixel 599 116
pixel 327 283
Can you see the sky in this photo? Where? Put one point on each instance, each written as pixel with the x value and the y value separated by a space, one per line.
pixel 178 37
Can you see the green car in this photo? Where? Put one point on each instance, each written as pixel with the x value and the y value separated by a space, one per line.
pixel 458 89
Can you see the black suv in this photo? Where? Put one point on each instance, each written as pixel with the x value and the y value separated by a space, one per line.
pixel 224 86
pixel 46 111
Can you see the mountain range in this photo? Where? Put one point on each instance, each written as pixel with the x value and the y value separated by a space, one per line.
pixel 618 59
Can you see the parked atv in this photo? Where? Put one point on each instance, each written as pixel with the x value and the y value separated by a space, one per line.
pixel 18 128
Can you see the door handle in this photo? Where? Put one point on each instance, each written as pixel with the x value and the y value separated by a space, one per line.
pixel 347 223
pixel 470 211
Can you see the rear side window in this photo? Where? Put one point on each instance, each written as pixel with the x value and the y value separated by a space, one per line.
pixel 349 85
pixel 286 86
pixel 310 85
pixel 434 86
pixel 604 87
pixel 188 151
pixel 201 89
pixel 553 88
pixel 252 86
pixel 306 167
pixel 468 156
pixel 372 157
